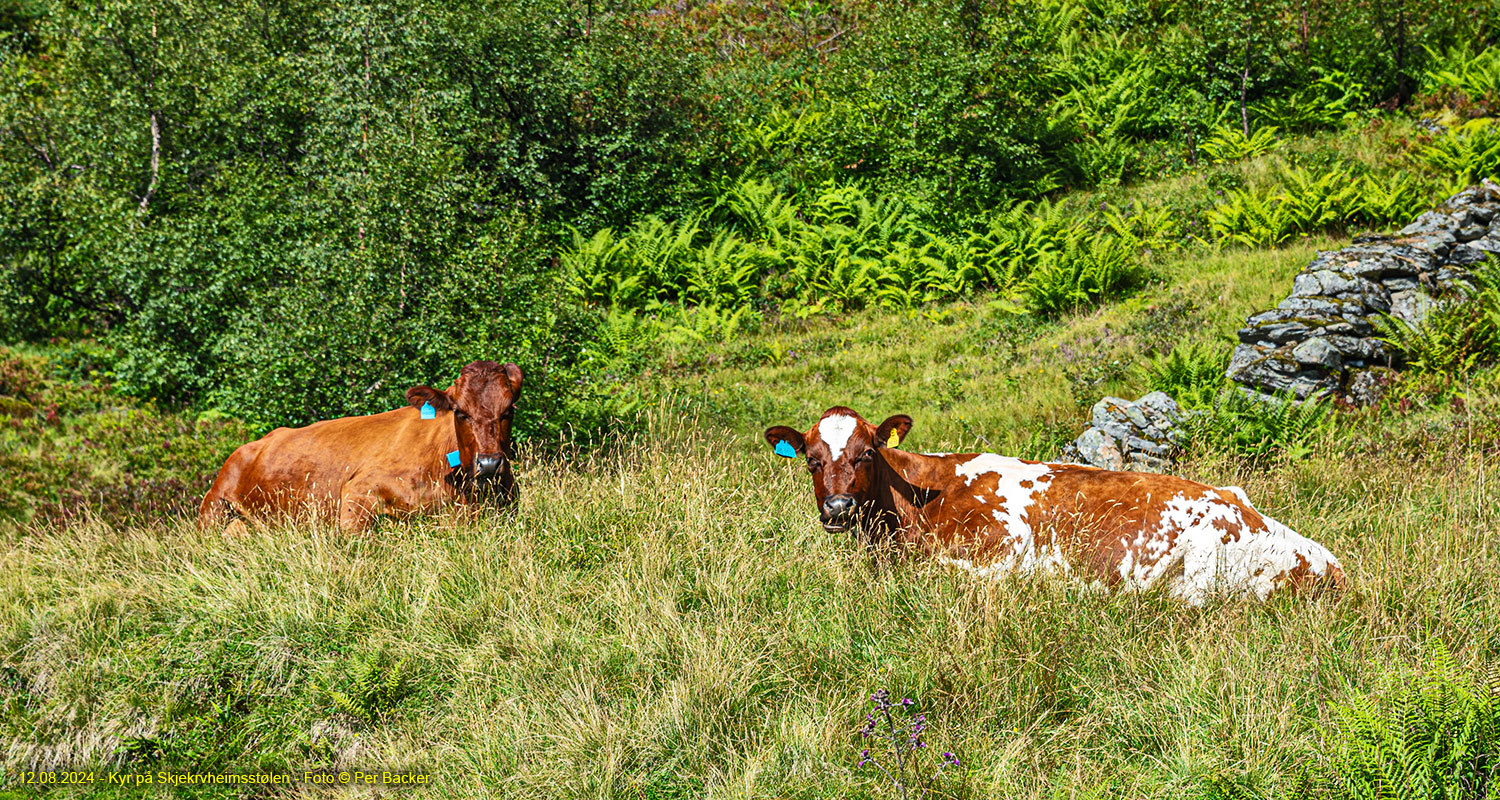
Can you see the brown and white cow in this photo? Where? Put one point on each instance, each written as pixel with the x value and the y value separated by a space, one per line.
pixel 397 462
pixel 996 515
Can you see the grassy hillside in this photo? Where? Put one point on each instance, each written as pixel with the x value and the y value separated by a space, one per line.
pixel 661 617
pixel 669 621
pixel 974 375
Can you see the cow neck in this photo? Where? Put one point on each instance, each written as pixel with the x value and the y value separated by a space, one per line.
pixel 461 477
pixel 907 483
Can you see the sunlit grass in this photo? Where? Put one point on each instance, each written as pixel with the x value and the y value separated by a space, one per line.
pixel 667 621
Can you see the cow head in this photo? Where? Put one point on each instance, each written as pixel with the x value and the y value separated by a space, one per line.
pixel 841 451
pixel 483 403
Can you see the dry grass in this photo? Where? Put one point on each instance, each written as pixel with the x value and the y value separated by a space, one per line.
pixel 667 621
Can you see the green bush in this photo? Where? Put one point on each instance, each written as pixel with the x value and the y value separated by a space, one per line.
pixel 1436 735
pixel 1258 429
pixel 1458 336
pixel 1192 374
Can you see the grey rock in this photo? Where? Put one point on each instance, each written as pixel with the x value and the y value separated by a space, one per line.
pixel 1126 435
pixel 1366 387
pixel 1429 221
pixel 1097 448
pixel 1318 352
pixel 1161 404
pixel 1412 307
pixel 1305 285
pixel 1144 462
pixel 1136 444
pixel 1469 233
pixel 1357 349
pixel 1466 255
pixel 1331 282
pixel 1137 417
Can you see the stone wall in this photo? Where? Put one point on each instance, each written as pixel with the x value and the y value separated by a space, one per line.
pixel 1320 339
pixel 1140 437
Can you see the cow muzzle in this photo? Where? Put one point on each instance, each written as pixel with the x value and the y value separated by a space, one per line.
pixel 487 465
pixel 837 512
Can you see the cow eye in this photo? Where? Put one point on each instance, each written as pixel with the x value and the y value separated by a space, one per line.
pixel 866 455
pixel 459 414
pixel 813 465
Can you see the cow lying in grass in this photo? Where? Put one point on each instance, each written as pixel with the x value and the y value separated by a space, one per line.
pixel 447 445
pixel 996 515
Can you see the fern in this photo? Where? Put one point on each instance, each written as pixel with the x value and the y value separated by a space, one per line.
pixel 1087 270
pixel 1395 202
pixel 1476 75
pixel 1469 152
pixel 1439 737
pixel 1257 429
pixel 1231 144
pixel 1456 337
pixel 373 687
pixel 1192 374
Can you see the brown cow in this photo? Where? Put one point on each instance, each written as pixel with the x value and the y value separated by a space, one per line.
pixel 994 515
pixel 392 463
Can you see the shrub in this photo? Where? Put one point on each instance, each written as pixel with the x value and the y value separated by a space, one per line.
pixel 1192 374
pixel 1458 336
pixel 1436 736
pixel 1257 429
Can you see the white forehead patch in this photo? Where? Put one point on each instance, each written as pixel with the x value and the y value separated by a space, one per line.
pixel 836 431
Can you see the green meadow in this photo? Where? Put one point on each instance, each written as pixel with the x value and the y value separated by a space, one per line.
pixel 688 222
pixel 661 615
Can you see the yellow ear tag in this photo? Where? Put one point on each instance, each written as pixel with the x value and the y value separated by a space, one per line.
pixel 894 440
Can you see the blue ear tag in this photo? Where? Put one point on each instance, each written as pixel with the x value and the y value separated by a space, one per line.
pixel 428 412
pixel 453 459
pixel 785 450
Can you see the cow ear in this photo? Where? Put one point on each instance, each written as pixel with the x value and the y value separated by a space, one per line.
pixel 892 431
pixel 786 441
pixel 513 374
pixel 420 395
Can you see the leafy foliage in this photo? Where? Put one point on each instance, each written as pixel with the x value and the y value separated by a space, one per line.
pixel 1458 336
pixel 1306 202
pixel 1193 374
pixel 1461 69
pixel 1437 737
pixel 1469 152
pixel 1231 144
pixel 375 684
pixel 844 248
pixel 72 448
pixel 1257 429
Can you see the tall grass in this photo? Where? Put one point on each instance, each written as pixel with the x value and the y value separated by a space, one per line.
pixel 667 620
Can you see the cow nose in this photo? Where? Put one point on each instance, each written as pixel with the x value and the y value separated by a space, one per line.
pixel 486 465
pixel 837 507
